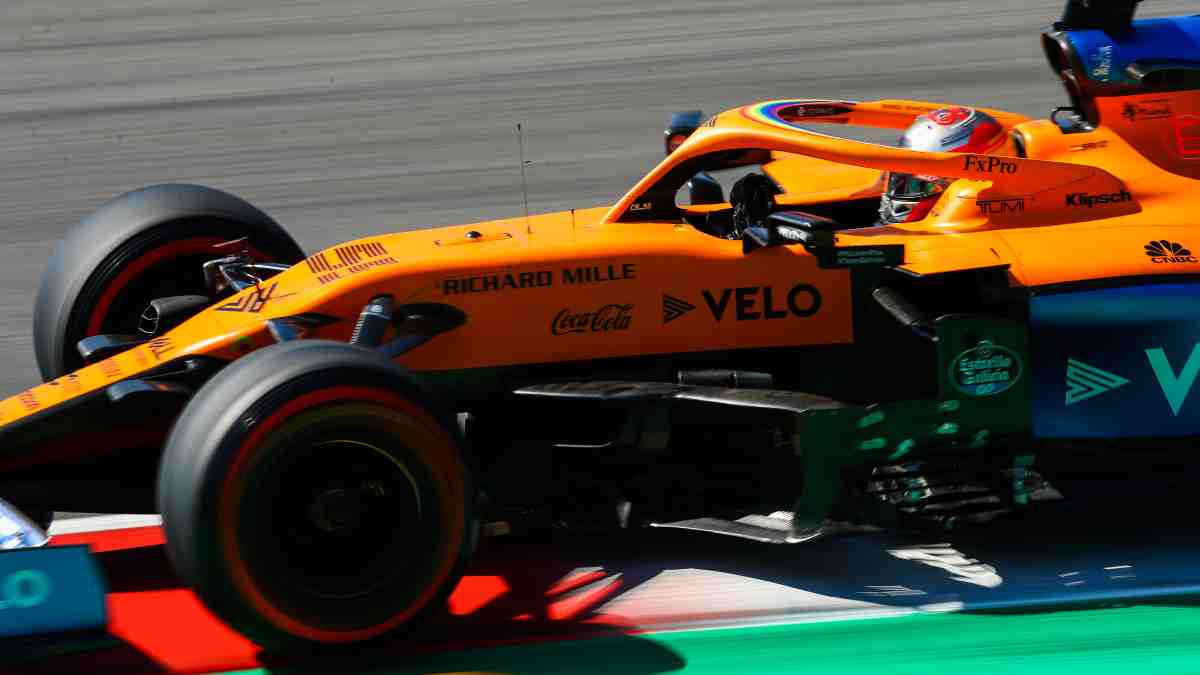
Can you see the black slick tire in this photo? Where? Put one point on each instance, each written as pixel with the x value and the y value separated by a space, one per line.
pixel 142 245
pixel 311 493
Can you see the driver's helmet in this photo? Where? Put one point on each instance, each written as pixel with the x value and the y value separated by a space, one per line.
pixel 909 197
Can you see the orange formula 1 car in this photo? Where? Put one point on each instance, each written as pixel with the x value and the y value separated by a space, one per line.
pixel 323 433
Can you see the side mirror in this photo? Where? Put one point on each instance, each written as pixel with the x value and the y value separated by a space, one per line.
pixel 17 530
pixel 704 189
pixel 816 235
pixel 786 228
pixel 768 236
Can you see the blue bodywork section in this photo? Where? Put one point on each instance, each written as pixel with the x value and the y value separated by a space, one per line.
pixel 50 590
pixel 1116 362
pixel 1105 57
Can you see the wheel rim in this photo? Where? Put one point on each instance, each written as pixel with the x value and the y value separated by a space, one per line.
pixel 377 418
pixel 345 515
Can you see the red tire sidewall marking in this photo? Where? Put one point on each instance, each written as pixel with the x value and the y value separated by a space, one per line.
pixel 445 465
pixel 175 249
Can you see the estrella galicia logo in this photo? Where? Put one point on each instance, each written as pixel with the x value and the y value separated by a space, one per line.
pixel 1164 251
pixel 673 308
pixel 985 370
pixel 1091 201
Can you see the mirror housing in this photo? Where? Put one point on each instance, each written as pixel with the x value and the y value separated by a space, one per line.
pixel 681 125
pixel 789 227
pixel 816 235
pixel 704 189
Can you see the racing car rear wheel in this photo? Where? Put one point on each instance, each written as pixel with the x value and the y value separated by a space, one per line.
pixel 310 494
pixel 142 245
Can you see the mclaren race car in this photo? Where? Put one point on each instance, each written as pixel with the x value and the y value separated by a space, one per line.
pixel 323 433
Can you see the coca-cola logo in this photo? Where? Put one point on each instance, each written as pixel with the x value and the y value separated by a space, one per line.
pixel 607 318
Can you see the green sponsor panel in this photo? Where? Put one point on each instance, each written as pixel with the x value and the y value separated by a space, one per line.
pixel 983 408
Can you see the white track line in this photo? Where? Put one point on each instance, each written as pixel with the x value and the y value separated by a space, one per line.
pixel 109 522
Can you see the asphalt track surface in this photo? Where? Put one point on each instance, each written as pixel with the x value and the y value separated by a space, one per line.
pixel 347 118
pixel 1032 595
pixel 650 579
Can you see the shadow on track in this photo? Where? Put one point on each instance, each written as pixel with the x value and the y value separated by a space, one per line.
pixel 525 602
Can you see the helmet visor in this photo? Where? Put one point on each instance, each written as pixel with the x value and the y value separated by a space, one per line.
pixel 909 186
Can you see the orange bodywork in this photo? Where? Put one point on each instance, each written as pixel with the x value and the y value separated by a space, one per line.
pixel 809 180
pixel 608 282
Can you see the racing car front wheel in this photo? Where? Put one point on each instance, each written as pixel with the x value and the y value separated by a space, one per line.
pixel 311 493
pixel 146 244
